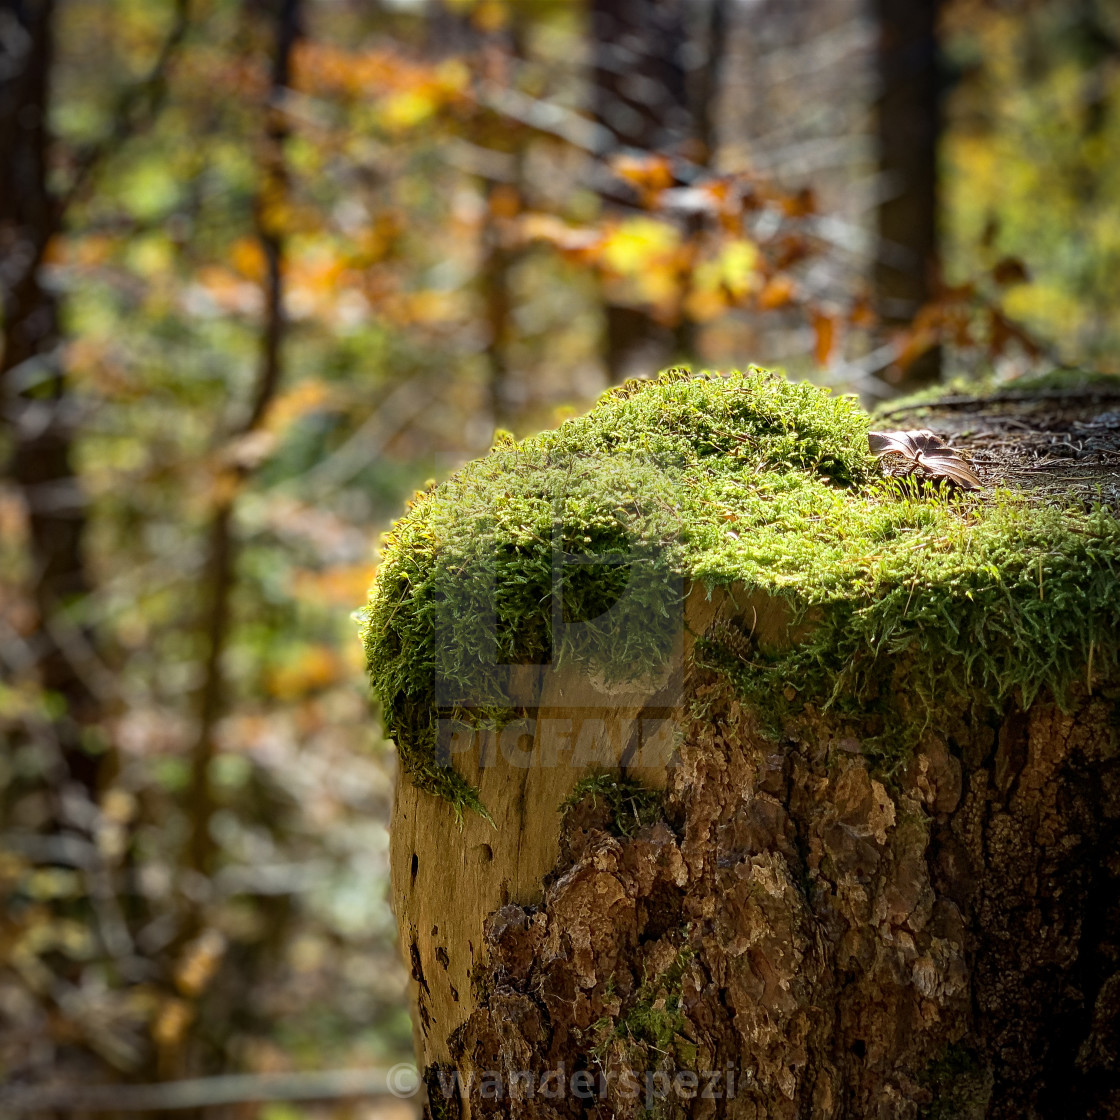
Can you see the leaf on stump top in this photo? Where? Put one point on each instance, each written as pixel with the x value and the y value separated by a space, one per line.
pixel 927 451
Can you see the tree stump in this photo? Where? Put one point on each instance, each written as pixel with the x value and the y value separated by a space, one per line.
pixel 765 787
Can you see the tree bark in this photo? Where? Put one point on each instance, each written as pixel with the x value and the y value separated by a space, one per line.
pixel 810 936
pixel 909 128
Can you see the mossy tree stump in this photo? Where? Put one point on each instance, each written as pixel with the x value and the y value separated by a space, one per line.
pixel 799 797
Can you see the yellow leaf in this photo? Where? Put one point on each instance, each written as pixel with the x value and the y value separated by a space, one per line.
pixel 313 668
pixel 171 1023
pixel 198 962
pixel 303 398
pixel 738 265
pixel 406 109
pixel 637 244
pixel 777 292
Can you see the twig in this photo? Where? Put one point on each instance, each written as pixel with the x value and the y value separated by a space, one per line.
pixel 201 1092
pixel 219 577
pixel 390 417
pixel 547 117
pixel 857 374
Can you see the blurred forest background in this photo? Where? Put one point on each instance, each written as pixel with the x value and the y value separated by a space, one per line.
pixel 267 266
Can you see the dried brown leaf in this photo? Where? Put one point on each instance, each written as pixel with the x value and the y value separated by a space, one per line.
pixel 928 451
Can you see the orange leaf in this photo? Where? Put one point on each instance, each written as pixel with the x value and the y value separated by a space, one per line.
pixel 824 327
pixel 915 342
pixel 505 201
pixel 862 314
pixel 777 292
pixel 799 205
pixel 647 174
pixel 315 667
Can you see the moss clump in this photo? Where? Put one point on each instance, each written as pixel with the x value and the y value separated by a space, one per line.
pixel 630 804
pixel 655 1017
pixel 915 598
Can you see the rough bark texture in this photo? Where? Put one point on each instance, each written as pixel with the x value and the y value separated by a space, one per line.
pixel 943 946
pixel 948 945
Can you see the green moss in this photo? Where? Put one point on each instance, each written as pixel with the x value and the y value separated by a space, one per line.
pixel 916 598
pixel 630 804
pixel 1066 380
pixel 960 1085
pixel 655 1017
pixel 442 1082
pixel 1062 380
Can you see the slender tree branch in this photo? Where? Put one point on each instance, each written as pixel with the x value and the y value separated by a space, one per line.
pixel 200 1092
pixel 219 577
pixel 546 117
pixel 270 214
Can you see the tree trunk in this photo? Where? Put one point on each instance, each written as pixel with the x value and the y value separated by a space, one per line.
pixel 220 575
pixel 709 40
pixel 37 410
pixel 640 96
pixel 909 125
pixel 789 929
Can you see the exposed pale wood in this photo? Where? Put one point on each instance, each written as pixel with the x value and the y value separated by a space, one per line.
pixel 447 878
